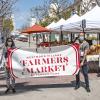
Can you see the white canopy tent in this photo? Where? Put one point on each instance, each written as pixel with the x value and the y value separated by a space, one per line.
pixel 92 15
pixel 72 19
pixel 59 23
pixel 51 25
pixel 92 19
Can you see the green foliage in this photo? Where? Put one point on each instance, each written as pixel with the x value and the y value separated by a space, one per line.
pixel 68 14
pixel 44 23
pixel 8 24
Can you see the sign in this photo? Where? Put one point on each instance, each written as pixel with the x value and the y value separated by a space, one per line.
pixel 24 64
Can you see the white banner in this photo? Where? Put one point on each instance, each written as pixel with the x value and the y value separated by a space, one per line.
pixel 32 64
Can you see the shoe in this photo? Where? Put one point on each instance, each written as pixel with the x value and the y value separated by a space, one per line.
pixel 7 90
pixel 13 90
pixel 76 87
pixel 98 75
pixel 88 89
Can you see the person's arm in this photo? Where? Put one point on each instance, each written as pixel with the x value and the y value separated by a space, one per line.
pixel 84 57
pixel 85 53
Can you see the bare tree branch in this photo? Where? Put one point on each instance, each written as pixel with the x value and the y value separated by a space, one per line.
pixel 6 6
pixel 54 7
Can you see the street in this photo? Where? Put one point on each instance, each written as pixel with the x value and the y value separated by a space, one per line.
pixel 52 88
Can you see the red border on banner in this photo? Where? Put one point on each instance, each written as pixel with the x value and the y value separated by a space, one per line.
pixel 74 46
pixel 11 69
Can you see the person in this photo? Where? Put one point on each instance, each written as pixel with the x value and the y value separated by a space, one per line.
pixel 10 80
pixel 84 47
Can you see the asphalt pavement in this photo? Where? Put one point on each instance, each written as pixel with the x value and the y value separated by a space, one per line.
pixel 51 88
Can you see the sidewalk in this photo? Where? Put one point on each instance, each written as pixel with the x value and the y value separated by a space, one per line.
pixel 53 88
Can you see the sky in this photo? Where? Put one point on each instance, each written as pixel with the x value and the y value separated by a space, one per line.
pixel 22 11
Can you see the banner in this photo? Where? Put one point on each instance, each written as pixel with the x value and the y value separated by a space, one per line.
pixel 61 60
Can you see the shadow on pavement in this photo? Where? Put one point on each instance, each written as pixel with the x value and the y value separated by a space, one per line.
pixel 24 87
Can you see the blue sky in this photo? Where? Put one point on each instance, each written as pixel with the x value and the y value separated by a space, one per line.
pixel 22 11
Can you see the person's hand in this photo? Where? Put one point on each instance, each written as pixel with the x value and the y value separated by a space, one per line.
pixel 5 64
pixel 81 64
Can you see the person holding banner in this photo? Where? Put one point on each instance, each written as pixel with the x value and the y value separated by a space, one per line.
pixel 10 80
pixel 84 48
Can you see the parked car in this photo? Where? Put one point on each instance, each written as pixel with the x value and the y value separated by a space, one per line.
pixel 23 39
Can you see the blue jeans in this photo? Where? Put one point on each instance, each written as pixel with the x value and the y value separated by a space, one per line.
pixel 84 70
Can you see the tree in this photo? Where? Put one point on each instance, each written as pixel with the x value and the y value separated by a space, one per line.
pixel 7 26
pixel 51 10
pixel 59 7
pixel 6 9
pixel 39 12
pixel 87 5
